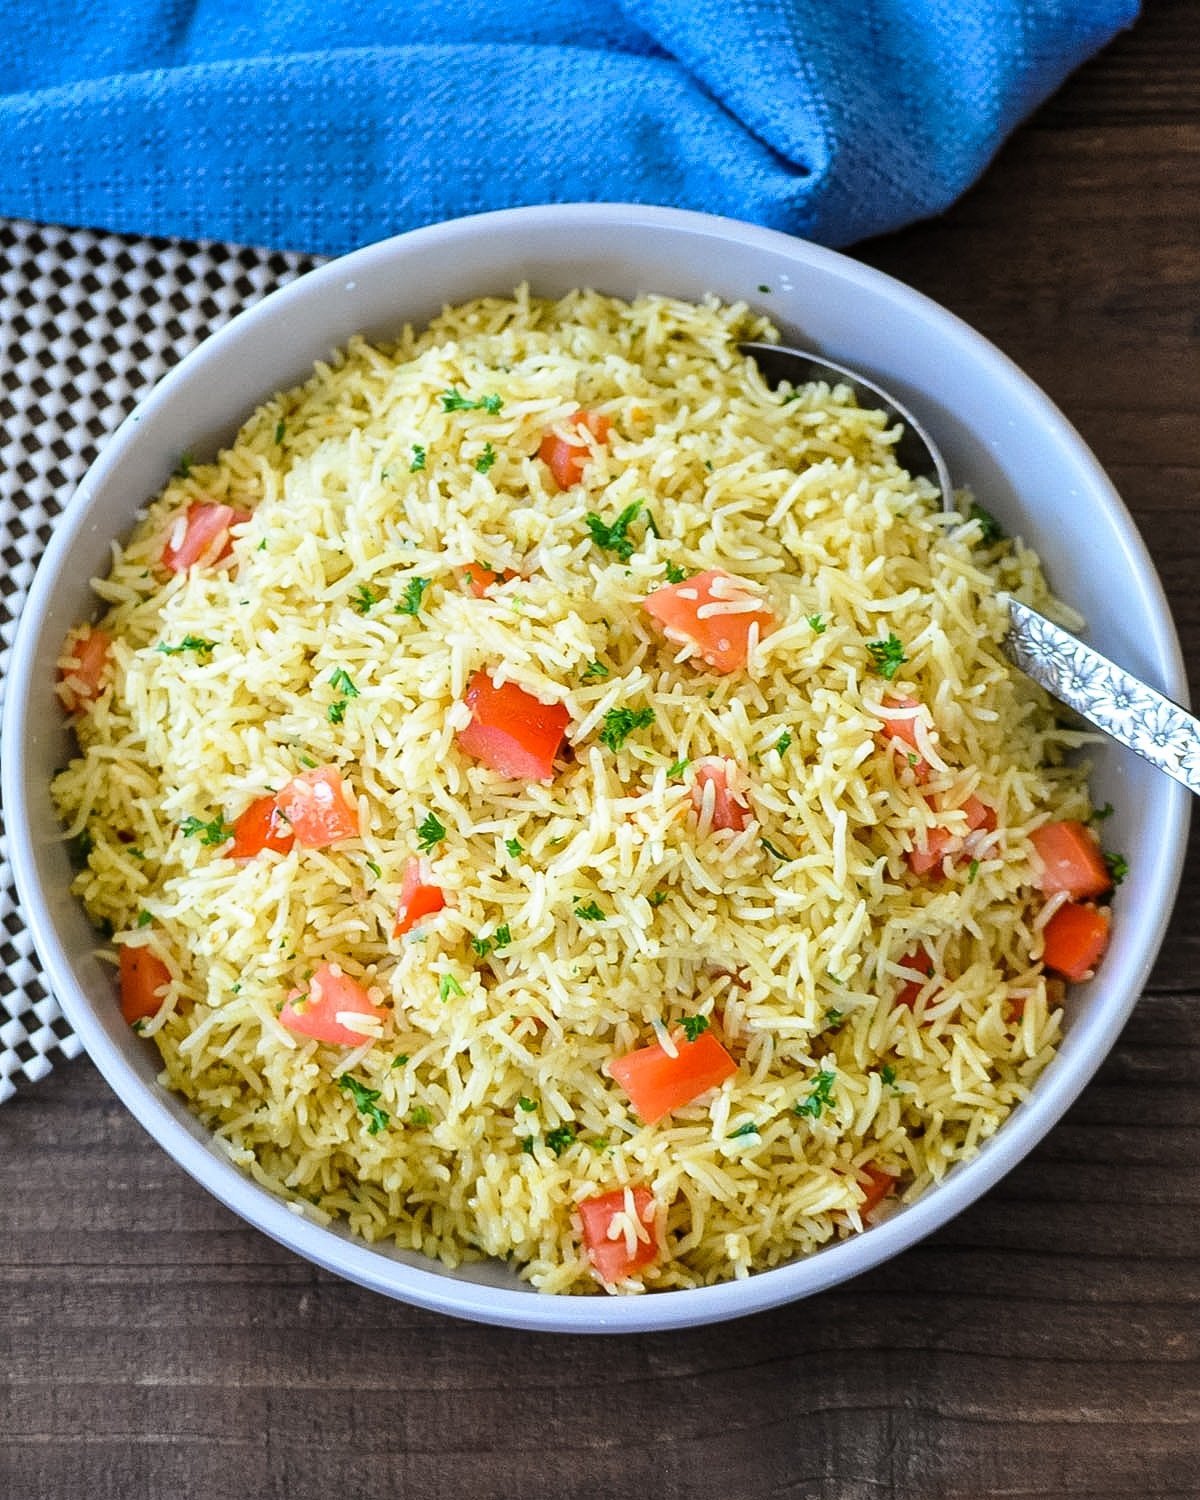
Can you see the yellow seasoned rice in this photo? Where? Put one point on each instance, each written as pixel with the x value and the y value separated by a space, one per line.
pixel 790 937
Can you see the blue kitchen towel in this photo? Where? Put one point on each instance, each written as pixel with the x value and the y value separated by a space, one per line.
pixel 320 125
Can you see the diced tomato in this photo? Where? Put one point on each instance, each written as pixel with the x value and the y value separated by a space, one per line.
pixel 1071 860
pixel 479 579
pixel 314 1012
pixel 657 1083
pixel 143 976
pixel 692 613
pixel 609 1252
pixel 903 737
pixel 1075 939
pixel 875 1189
pixel 317 807
pixel 83 666
pixel 730 809
pixel 920 960
pixel 938 842
pixel 261 826
pixel 567 459
pixel 419 897
pixel 512 732
pixel 203 534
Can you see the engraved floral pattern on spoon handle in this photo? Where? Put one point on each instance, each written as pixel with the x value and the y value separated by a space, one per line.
pixel 1108 697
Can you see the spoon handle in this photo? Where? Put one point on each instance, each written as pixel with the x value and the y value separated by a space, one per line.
pixel 1101 692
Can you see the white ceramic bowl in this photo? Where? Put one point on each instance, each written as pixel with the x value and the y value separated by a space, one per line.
pixel 1000 434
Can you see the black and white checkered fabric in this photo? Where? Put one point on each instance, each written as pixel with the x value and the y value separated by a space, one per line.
pixel 88 323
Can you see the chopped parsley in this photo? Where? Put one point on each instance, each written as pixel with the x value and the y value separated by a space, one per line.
pixel 215 832
pixel 676 574
pixel 364 598
pixel 763 287
pixel 677 769
pixel 595 669
pixel 144 919
pixel 453 400
pixel 560 1138
pixel 888 1074
pixel 619 724
pixel 820 1098
pixel 749 1128
pixel 528 1144
pixel 693 1026
pixel 336 711
pixel 344 685
pixel 588 911
pixel 1118 867
pixel 486 459
pixel 189 643
pixel 514 847
pixel 784 859
pixel 817 625
pixel 528 1105
pixel 307 760
pixel 990 529
pixel 834 1018
pixel 657 897
pixel 972 871
pixel 614 537
pixel 448 986
pixel 887 655
pixel 501 938
pixel 364 1101
pixel 414 591
pixel 184 467
pixel 280 429
pixel 418 459
pixel 783 743
pixel 420 1116
pixel 429 833
pixel 399 1060
pixel 374 868
pixel 1100 813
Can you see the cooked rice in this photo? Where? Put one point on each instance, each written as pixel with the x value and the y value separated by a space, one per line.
pixel 797 961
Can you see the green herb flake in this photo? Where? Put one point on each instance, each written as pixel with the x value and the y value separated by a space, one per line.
pixel 657 898
pixel 136 853
pixel 693 1026
pixel 528 1143
pixel 189 643
pixel 364 1101
pixel 784 859
pixel 888 1074
pixel 614 537
pixel 528 1105
pixel 763 287
pixel 1099 814
pixel 448 986
pixel 501 938
pixel 514 847
pixel 820 1098
pixel 588 911
pixel 749 1128
pixel 676 574
pixel 595 669
pixel 783 743
pixel 414 591
pixel 817 625
pixel 420 1116
pixel 212 833
pixel 418 459
pixel 336 711
pixel 144 918
pixel 342 682
pixel 364 599
pixel 1118 867
pixel 430 832
pixel 677 769
pixel 486 459
pixel 990 530
pixel 560 1138
pixel 619 724
pixel 187 459
pixel 834 1018
pixel 887 655
pixel 399 1060
pixel 453 400
pixel 280 429
pixel 307 761
pixel 139 1025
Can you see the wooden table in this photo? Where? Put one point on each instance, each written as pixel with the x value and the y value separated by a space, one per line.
pixel 1045 1344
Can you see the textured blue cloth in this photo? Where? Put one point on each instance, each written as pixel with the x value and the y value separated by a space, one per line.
pixel 320 125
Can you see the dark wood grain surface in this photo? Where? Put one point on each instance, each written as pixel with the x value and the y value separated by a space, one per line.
pixel 1047 1343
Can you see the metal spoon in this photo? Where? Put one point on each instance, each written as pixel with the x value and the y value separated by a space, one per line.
pixel 1108 697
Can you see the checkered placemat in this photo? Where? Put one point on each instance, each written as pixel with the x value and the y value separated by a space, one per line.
pixel 88 323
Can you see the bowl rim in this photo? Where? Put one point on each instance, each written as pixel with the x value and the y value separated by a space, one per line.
pixel 434 1289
